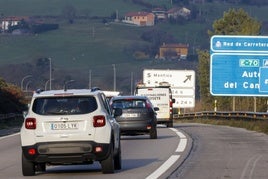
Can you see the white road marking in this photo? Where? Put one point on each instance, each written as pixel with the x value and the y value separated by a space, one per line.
pixel 4 137
pixel 254 165
pixel 253 160
pixel 164 167
pixel 181 135
pixel 173 129
pixel 183 142
pixel 182 145
pixel 173 158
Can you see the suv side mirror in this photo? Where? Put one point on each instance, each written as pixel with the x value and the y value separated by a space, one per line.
pixel 117 112
pixel 25 112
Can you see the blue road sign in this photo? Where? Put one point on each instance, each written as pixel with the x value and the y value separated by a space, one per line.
pixel 244 44
pixel 264 79
pixel 239 74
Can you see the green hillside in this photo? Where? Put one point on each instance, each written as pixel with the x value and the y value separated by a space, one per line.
pixel 90 45
pixel 55 7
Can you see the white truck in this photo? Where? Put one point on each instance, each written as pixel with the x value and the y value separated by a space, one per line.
pixel 161 97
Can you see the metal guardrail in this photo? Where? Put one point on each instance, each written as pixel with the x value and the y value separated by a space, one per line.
pixel 223 115
pixel 203 114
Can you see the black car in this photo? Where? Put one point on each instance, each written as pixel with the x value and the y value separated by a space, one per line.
pixel 138 115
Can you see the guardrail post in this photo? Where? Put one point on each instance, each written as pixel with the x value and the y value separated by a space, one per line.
pixel 233 103
pixel 215 105
pixel 255 100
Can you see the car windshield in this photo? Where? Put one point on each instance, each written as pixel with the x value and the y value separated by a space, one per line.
pixel 127 103
pixel 64 105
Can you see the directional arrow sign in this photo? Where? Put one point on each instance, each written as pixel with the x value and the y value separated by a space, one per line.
pixel 176 78
pixel 188 78
pixel 182 84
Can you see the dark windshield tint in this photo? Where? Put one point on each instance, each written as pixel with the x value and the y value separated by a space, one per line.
pixel 125 104
pixel 64 105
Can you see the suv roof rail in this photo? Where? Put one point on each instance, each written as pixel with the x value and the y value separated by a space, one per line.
pixel 95 89
pixel 38 91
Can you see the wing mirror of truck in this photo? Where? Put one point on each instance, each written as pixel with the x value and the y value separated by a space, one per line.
pixel 156 108
pixel 173 100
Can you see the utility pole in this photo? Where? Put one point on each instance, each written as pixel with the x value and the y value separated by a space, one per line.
pixel 131 84
pixel 89 79
pixel 114 77
pixel 50 72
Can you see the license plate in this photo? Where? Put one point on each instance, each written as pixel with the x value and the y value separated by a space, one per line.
pixel 129 115
pixel 64 126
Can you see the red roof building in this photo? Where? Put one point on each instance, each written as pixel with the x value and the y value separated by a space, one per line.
pixel 139 18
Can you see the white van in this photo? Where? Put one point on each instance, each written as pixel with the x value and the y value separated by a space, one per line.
pixel 161 97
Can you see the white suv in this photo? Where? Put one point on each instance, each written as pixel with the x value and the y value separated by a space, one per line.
pixel 70 127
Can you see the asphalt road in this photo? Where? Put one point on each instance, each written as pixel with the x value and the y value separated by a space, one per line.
pixel 141 158
pixel 220 152
pixel 187 151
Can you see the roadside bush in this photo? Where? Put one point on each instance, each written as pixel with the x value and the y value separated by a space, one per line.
pixel 12 99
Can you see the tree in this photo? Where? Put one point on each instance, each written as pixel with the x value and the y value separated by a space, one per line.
pixel 12 99
pixel 233 22
pixel 203 74
pixel 157 38
pixel 236 22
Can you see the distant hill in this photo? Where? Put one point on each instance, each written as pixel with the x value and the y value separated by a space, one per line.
pixel 86 48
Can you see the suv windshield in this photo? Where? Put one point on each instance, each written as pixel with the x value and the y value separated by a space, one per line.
pixel 64 105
